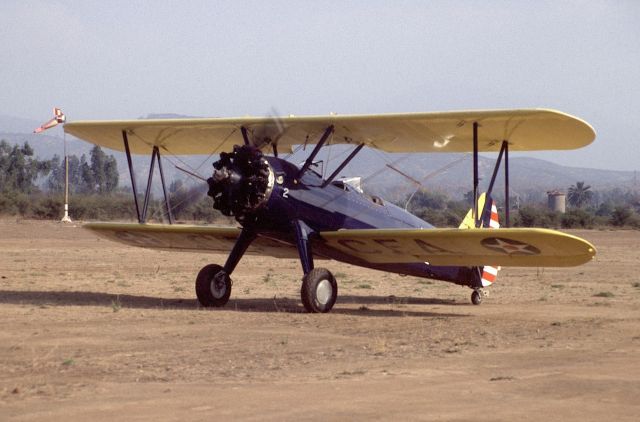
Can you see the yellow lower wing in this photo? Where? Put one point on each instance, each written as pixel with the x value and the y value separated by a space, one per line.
pixel 505 247
pixel 188 238
pixel 467 247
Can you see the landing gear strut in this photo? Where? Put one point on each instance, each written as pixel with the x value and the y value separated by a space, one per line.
pixel 213 284
pixel 319 288
pixel 318 292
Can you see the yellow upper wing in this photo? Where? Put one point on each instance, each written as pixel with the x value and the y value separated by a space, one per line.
pixel 526 130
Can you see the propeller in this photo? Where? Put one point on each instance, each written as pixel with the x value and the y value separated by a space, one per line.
pixel 268 133
pixel 242 180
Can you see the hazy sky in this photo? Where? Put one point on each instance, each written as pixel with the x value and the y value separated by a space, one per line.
pixel 125 59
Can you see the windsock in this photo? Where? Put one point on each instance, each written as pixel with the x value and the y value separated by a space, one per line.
pixel 58 117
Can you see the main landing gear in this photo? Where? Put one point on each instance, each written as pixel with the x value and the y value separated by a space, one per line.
pixel 319 288
pixel 213 286
pixel 318 292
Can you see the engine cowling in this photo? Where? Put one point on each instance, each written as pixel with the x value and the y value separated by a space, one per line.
pixel 241 183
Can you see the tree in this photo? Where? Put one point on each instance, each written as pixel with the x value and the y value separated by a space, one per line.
pixel 75 176
pixel 111 175
pixel 529 216
pixel 19 169
pixel 87 180
pixel 105 171
pixel 55 181
pixel 98 163
pixel 436 208
pixel 605 209
pixel 427 199
pixel 98 175
pixel 579 194
pixel 469 199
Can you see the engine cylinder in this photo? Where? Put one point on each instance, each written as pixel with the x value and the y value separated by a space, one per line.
pixel 241 183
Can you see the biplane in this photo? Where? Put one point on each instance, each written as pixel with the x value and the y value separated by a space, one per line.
pixel 290 210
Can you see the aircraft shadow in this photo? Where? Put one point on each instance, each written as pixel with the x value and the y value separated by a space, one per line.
pixel 393 306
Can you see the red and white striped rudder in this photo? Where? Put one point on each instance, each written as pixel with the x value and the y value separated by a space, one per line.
pixel 489 273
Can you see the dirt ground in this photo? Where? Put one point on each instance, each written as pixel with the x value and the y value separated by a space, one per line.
pixel 94 330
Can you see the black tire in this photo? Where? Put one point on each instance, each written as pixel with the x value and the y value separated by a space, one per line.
pixel 213 286
pixel 319 290
pixel 476 297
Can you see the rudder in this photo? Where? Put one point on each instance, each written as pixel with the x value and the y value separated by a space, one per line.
pixel 488 219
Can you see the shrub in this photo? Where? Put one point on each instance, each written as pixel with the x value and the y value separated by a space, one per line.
pixel 577 218
pixel 621 215
pixel 529 216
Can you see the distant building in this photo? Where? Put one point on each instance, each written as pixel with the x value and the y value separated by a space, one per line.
pixel 557 201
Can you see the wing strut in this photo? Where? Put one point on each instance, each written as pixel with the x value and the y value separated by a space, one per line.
pixel 328 131
pixel 496 167
pixel 142 215
pixel 164 188
pixel 475 174
pixel 506 183
pixel 504 151
pixel 147 194
pixel 343 165
pixel 132 174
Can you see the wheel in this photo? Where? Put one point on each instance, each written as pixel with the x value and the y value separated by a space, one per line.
pixel 319 290
pixel 476 297
pixel 213 286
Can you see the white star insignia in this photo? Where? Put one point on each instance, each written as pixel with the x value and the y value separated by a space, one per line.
pixel 510 247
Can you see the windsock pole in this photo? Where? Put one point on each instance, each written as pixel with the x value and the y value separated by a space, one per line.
pixel 66 218
pixel 59 117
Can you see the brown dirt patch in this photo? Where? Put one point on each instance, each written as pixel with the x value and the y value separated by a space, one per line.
pixel 92 330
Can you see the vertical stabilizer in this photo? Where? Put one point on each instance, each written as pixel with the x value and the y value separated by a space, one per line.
pixel 469 221
pixel 488 219
pixel 491 220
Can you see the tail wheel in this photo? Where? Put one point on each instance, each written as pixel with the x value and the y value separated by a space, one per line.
pixel 476 297
pixel 319 290
pixel 213 286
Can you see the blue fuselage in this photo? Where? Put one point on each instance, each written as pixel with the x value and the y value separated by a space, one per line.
pixel 340 206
